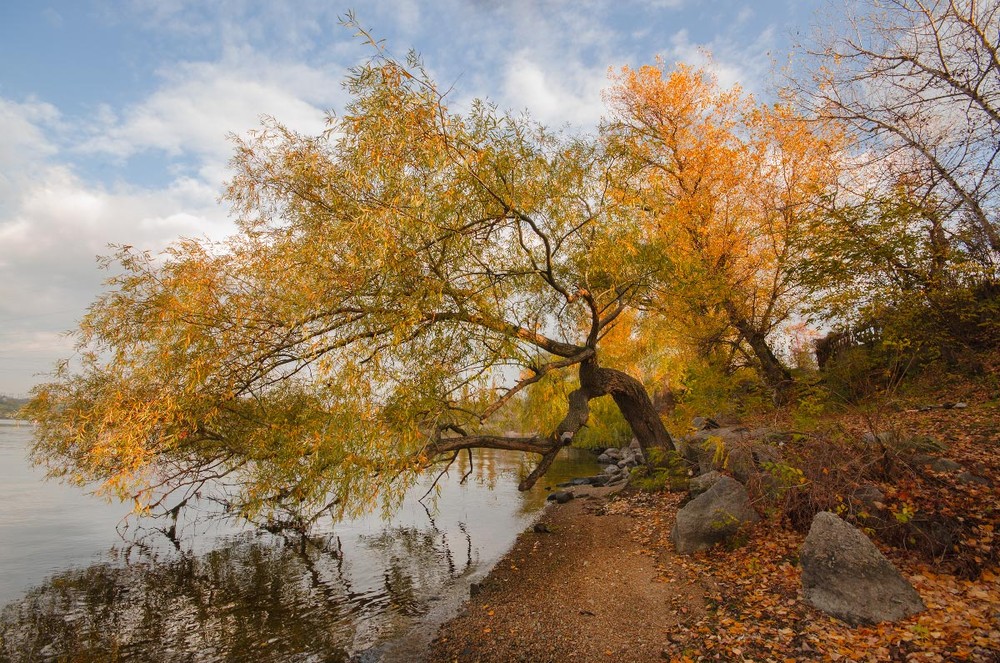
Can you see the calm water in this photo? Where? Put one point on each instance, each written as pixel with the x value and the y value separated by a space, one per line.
pixel 73 588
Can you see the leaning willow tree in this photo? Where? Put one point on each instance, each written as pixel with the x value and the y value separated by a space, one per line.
pixel 393 284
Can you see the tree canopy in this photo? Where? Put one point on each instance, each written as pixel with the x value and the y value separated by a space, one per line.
pixel 910 244
pixel 919 82
pixel 387 280
pixel 728 190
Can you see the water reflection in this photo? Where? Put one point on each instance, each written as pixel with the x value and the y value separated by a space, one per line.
pixel 256 599
pixel 261 596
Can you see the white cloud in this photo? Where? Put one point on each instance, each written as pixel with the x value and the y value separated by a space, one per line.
pixel 54 220
pixel 199 104
pixel 23 142
pixel 731 61
pixel 554 96
pixel 53 224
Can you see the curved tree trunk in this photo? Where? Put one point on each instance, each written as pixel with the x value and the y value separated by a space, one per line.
pixel 774 373
pixel 632 399
pixel 628 393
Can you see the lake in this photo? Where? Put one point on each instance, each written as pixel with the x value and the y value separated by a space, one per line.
pixel 76 584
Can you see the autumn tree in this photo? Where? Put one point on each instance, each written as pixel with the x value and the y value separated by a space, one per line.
pixel 909 244
pixel 919 82
pixel 724 188
pixel 394 282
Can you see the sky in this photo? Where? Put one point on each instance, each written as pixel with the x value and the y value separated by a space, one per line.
pixel 116 116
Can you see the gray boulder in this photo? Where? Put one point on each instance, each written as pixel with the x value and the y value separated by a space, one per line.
pixel 713 516
pixel 867 495
pixel 944 465
pixel 560 496
pixel 845 575
pixel 703 482
pixel 723 448
pixel 969 477
pixel 934 463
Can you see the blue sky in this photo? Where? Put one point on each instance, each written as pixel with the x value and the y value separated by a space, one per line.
pixel 114 114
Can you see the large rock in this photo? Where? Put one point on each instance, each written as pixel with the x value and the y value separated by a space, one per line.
pixel 845 575
pixel 713 516
pixel 733 449
pixel 701 483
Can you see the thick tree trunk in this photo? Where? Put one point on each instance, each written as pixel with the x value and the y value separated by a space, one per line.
pixel 628 393
pixel 775 375
pixel 634 402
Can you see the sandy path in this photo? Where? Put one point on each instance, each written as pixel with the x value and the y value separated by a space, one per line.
pixel 589 590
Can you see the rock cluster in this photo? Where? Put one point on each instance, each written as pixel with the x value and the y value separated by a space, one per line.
pixel 617 463
pixel 624 459
pixel 843 573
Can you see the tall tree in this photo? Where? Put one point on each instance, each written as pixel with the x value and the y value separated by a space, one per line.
pixel 919 81
pixel 725 188
pixel 393 284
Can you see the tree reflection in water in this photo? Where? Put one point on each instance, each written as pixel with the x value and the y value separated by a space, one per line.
pixel 258 598
pixel 261 596
pixel 251 600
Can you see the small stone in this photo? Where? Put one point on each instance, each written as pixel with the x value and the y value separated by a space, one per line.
pixel 868 494
pixel 961 406
pixel 969 477
pixel 541 528
pixel 560 497
pixel 704 423
pixel 944 465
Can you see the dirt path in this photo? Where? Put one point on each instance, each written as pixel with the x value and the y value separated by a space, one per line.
pixel 587 590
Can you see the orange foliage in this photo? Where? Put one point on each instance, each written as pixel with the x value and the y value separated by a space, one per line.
pixel 725 186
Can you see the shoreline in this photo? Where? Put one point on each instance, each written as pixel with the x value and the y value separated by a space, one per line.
pixel 417 642
pixel 589 588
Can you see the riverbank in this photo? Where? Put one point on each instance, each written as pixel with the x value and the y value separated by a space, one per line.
pixel 591 585
pixel 604 583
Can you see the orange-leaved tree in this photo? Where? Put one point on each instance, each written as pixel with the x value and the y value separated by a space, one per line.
pixel 725 189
